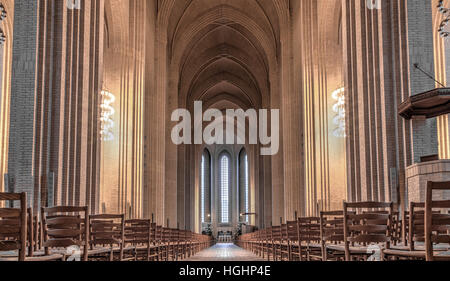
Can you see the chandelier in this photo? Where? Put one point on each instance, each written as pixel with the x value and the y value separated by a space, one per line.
pixel 3 13
pixel 107 112
pixel 339 108
pixel 444 11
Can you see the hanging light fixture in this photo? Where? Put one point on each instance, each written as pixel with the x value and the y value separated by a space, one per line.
pixel 3 13
pixel 2 37
pixel 107 113
pixel 446 12
pixel 339 108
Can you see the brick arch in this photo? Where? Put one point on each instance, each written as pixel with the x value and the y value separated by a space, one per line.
pixel 205 83
pixel 228 14
pixel 196 61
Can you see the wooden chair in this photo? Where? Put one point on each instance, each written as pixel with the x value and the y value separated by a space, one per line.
pixel 437 226
pixel 396 230
pixel 415 219
pixel 138 240
pixel 269 248
pixel 165 243
pixel 294 252
pixel 309 238
pixel 368 227
pixel 13 225
pixel 107 233
pixel 155 244
pixel 284 253
pixel 64 227
pixel 332 235
pixel 405 227
pixel 162 247
pixel 276 242
pixel 189 244
pixel 264 242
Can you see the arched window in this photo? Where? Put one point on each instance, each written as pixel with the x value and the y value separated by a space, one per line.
pixel 205 190
pixel 224 188
pixel 244 203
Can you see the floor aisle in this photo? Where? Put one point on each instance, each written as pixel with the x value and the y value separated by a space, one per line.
pixel 225 252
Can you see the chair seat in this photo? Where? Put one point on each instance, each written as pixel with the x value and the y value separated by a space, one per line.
pixel 405 253
pixel 99 251
pixel 140 248
pixel 442 256
pixel 353 250
pixel 421 247
pixel 314 245
pixel 52 257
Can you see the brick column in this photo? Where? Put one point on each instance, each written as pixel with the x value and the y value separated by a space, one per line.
pixel 55 101
pixel 421 52
pixel 22 102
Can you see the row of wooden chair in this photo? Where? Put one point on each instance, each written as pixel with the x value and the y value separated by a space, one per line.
pixel 70 233
pixel 362 231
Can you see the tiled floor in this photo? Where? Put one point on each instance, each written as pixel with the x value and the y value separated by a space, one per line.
pixel 225 252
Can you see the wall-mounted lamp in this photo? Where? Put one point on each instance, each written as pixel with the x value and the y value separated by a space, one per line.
pixel 445 11
pixel 339 109
pixel 107 112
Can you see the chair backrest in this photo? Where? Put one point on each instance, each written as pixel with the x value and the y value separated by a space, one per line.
pixel 166 235
pixel 370 223
pixel 309 229
pixel 137 232
pixel 292 231
pixel 65 226
pixel 107 229
pixel 332 227
pixel 284 232
pixel 153 233
pixel 437 225
pixel 30 232
pixel 405 226
pixel 396 227
pixel 276 233
pixel 13 225
pixel 159 234
pixel 416 221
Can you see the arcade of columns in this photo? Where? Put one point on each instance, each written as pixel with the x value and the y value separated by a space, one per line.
pixel 159 55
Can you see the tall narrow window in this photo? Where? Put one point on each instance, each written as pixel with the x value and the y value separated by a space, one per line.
pixel 246 188
pixel 205 187
pixel 202 211
pixel 244 194
pixel 224 189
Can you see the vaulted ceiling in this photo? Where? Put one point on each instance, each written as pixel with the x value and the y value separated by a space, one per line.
pixel 223 51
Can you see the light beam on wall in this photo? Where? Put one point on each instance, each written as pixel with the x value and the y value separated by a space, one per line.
pixel 339 109
pixel 107 112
